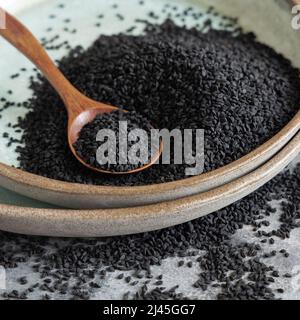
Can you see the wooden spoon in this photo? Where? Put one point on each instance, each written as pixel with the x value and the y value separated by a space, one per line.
pixel 81 109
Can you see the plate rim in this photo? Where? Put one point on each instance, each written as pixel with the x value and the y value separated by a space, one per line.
pixel 37 181
pixel 121 221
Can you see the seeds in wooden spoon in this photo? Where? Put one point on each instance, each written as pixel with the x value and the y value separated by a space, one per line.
pixel 87 145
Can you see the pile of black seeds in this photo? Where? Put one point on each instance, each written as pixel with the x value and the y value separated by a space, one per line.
pixel 78 268
pixel 87 145
pixel 238 90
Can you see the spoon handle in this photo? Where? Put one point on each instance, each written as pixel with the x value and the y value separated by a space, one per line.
pixel 21 38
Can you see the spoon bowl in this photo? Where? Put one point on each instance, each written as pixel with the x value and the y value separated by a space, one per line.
pixel 83 118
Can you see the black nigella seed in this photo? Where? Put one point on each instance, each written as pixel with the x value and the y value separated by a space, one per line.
pixel 280 290
pixel 180 263
pixel 128 279
pixel 120 276
pixel 23 281
pixel 131 29
pixel 119 16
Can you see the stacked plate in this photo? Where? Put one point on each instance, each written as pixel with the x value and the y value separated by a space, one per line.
pixel 105 211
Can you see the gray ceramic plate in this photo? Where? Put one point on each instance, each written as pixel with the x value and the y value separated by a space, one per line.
pixel 109 222
pixel 272 25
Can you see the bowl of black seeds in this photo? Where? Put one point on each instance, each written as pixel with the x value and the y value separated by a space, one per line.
pixel 181 67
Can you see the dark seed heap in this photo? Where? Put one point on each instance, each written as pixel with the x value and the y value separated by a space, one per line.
pixel 79 268
pixel 239 91
pixel 86 146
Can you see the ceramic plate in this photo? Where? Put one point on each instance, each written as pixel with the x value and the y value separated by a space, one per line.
pixel 111 222
pixel 275 31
